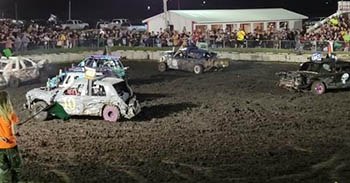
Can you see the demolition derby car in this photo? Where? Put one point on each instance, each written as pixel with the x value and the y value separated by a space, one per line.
pixel 108 97
pixel 108 65
pixel 191 59
pixel 317 75
pixel 17 70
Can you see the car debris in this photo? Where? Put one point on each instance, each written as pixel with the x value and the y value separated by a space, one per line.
pixel 108 97
pixel 191 59
pixel 16 70
pixel 317 75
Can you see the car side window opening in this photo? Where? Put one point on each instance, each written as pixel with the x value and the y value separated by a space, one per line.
pixel 76 90
pixel 27 63
pixel 98 90
pixel 14 66
pixel 122 89
pixel 3 65
pixel 327 67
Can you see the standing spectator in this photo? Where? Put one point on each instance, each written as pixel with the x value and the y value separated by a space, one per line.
pixel 18 43
pixel 240 37
pixel 10 160
pixel 9 43
pixel 25 42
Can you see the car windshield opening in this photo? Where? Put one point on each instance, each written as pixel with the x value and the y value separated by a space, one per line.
pixel 121 88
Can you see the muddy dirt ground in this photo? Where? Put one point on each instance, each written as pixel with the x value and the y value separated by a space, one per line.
pixel 230 126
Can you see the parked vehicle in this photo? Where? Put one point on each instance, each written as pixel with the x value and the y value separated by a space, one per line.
pixel 74 25
pixel 114 24
pixel 191 59
pixel 108 97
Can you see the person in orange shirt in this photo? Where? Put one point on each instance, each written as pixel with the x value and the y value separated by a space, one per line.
pixel 10 160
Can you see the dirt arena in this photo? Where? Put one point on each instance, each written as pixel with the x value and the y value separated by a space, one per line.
pixel 230 126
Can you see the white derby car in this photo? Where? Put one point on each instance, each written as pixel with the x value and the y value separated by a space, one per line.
pixel 110 98
pixel 16 70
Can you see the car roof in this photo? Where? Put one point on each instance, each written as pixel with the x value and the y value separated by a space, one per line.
pixel 101 80
pixel 97 56
pixel 6 59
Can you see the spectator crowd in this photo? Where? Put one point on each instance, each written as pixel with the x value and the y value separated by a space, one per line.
pixel 33 36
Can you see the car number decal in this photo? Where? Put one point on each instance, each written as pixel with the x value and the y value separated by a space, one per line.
pixel 69 103
pixel 345 78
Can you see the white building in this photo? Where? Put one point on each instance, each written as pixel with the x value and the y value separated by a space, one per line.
pixel 228 20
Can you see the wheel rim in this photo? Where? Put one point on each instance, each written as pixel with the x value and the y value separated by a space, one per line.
pixel 111 113
pixel 161 67
pixel 197 69
pixel 319 88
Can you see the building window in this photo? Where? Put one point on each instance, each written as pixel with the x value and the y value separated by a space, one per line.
pixel 271 27
pixel 258 27
pixel 216 27
pixel 201 28
pixel 245 27
pixel 283 25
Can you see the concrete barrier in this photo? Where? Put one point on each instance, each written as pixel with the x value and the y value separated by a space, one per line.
pixel 155 56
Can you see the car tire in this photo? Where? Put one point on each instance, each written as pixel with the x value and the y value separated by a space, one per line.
pixel 162 67
pixel 198 69
pixel 14 82
pixel 111 113
pixel 318 88
pixel 37 111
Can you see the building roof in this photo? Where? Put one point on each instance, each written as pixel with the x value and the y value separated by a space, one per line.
pixel 237 15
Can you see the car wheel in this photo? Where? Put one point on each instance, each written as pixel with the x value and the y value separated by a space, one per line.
pixel 111 113
pixel 198 69
pixel 14 82
pixel 38 112
pixel 162 67
pixel 318 88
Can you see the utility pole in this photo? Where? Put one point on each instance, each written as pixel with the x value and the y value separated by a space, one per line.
pixel 178 4
pixel 70 10
pixel 166 15
pixel 16 10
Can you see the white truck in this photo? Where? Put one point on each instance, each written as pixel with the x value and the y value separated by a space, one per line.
pixel 115 24
pixel 74 25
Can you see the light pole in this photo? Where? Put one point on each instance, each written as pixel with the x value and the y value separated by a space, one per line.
pixel 70 10
pixel 165 9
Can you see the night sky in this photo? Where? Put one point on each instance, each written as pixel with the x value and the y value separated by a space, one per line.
pixel 137 9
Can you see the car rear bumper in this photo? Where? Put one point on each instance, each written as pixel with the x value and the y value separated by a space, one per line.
pixel 134 108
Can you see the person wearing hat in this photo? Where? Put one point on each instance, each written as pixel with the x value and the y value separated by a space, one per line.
pixel 10 159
